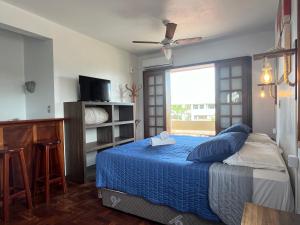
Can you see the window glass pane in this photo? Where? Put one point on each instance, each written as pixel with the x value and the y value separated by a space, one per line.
pixel 236 97
pixel 236 71
pixel 159 79
pixel 151 80
pixel 236 83
pixel 225 97
pixel 159 90
pixel 225 110
pixel 151 90
pixel 151 121
pixel 151 111
pixel 224 72
pixel 159 130
pixel 159 121
pixel 224 85
pixel 237 110
pixel 159 111
pixel 152 131
pixel 159 100
pixel 151 101
pixel 236 120
pixel 225 122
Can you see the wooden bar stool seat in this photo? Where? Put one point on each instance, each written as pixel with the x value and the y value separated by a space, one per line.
pixel 43 150
pixel 6 155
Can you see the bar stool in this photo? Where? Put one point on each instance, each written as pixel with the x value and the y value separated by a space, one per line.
pixel 6 155
pixel 44 147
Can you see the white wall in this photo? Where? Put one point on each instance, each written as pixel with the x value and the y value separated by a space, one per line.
pixel 231 47
pixel 38 67
pixel 287 114
pixel 73 54
pixel 12 96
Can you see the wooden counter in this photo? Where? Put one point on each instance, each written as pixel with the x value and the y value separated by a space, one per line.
pixel 25 133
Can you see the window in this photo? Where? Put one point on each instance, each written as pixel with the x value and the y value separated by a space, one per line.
pixel 211 106
pixel 195 106
pixel 201 106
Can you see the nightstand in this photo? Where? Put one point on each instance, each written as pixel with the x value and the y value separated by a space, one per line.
pixel 258 215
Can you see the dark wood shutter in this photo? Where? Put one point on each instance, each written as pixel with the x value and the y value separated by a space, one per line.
pixel 154 102
pixel 233 92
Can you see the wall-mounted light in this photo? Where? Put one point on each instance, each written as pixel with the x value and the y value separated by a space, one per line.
pixel 30 86
pixel 271 88
pixel 266 76
pixel 266 72
pixel 262 93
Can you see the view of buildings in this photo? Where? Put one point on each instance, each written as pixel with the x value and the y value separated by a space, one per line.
pixel 193 112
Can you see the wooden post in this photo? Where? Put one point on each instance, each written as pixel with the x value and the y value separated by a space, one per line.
pixel 61 153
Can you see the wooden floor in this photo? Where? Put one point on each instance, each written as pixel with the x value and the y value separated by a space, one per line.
pixel 79 206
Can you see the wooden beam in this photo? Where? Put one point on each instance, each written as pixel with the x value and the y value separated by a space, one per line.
pixel 275 54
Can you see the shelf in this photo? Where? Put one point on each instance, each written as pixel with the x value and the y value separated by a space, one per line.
pixel 94 146
pixel 123 140
pixel 123 122
pixel 96 125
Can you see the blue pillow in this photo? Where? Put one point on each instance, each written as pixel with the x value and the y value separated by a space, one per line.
pixel 218 148
pixel 239 127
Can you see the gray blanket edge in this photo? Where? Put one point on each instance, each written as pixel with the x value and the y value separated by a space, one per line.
pixel 229 188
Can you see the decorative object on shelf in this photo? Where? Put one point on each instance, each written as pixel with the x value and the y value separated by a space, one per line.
pixel 133 91
pixel 122 92
pixel 30 86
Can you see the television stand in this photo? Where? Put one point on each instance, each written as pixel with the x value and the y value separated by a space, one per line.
pixel 119 129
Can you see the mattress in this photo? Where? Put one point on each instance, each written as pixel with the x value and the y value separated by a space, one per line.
pixel 160 175
pixel 273 189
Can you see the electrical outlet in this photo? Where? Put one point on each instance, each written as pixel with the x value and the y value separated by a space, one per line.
pixel 274 130
pixel 49 109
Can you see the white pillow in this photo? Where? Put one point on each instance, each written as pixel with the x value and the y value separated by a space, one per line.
pixel 257 155
pixel 263 139
pixel 259 137
pixel 95 115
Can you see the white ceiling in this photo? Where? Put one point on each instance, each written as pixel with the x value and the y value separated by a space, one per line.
pixel 119 22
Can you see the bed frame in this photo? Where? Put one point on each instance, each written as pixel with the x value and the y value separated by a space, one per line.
pixel 142 208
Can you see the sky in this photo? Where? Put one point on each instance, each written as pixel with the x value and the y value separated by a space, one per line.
pixel 193 86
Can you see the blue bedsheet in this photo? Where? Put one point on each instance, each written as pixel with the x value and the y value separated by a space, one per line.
pixel 160 174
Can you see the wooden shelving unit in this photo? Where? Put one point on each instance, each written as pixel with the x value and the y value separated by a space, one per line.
pixel 119 129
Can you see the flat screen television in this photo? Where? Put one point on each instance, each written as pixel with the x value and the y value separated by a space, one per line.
pixel 94 89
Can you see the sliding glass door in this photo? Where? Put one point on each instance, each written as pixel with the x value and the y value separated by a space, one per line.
pixel 233 97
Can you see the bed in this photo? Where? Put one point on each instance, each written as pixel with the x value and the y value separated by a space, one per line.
pixel 158 183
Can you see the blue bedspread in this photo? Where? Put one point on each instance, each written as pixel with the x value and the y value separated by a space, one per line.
pixel 160 174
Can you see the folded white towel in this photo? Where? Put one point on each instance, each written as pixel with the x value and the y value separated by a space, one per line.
pixel 164 135
pixel 156 141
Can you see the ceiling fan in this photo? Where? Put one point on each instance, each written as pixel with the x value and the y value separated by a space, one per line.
pixel 168 43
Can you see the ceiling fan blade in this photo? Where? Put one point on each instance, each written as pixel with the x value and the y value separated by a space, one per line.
pixel 187 41
pixel 171 27
pixel 146 42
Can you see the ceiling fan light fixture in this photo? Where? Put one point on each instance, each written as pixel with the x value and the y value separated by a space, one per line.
pixel 167 52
